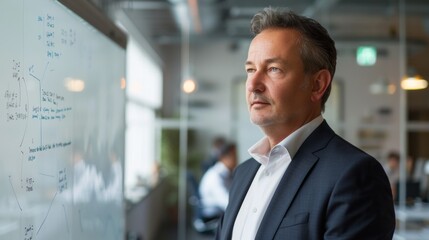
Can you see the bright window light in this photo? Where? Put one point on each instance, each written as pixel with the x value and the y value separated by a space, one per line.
pixel 144 76
pixel 144 94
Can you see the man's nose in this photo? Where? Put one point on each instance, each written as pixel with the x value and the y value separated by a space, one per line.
pixel 255 82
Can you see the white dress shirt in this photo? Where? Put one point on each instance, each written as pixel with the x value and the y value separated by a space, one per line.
pixel 214 189
pixel 274 163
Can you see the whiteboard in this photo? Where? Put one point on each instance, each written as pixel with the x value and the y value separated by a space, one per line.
pixel 62 125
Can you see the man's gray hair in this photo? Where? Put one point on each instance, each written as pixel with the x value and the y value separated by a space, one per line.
pixel 317 47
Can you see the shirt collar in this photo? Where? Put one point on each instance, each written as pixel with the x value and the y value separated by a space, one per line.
pixel 260 151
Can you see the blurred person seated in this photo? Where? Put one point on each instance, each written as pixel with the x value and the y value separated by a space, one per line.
pixel 215 183
pixel 412 192
pixel 217 144
pixel 426 181
pixel 392 169
pixel 412 185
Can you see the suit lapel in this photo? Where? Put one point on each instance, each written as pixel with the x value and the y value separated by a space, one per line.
pixel 242 181
pixel 291 181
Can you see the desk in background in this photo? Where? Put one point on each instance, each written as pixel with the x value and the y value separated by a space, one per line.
pixel 412 222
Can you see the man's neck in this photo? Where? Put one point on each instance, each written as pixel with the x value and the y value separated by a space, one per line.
pixel 276 133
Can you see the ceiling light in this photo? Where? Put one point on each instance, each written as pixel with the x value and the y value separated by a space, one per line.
pixel 414 83
pixel 123 83
pixel 74 84
pixel 189 86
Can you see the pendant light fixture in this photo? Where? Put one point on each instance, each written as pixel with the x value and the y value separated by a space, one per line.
pixel 414 83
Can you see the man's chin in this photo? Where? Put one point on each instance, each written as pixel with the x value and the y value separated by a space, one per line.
pixel 259 121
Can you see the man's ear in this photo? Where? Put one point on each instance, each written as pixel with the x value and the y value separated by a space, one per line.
pixel 321 81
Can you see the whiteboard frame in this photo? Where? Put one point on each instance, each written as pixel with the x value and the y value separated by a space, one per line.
pixel 90 13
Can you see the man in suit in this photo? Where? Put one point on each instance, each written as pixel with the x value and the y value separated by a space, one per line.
pixel 303 180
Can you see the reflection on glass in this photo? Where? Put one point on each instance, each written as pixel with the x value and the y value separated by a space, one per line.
pixel 89 183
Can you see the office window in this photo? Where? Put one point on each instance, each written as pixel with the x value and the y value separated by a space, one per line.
pixel 144 77
pixel 144 96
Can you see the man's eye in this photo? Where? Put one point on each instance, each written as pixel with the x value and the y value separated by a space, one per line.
pixel 274 69
pixel 250 70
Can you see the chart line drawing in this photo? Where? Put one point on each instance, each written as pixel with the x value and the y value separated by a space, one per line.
pixel 26 111
pixel 47 213
pixel 13 189
pixel 67 220
pixel 31 70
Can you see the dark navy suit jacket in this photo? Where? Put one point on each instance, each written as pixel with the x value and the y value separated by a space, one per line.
pixel 331 190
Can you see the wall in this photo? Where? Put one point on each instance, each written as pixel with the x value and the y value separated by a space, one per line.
pixel 144 218
pixel 361 108
pixel 218 67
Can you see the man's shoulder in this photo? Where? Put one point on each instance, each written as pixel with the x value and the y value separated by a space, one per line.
pixel 341 156
pixel 246 166
pixel 344 147
pixel 334 142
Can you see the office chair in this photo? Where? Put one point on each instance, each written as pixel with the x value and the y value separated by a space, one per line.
pixel 199 223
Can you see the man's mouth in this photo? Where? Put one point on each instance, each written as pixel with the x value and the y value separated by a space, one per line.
pixel 258 100
pixel 258 103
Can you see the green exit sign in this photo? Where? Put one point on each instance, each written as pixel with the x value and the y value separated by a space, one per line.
pixel 366 55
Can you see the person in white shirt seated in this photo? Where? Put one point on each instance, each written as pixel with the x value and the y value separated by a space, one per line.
pixel 215 183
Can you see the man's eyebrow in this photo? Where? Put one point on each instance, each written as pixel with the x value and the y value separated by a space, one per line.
pixel 275 60
pixel 248 63
pixel 270 60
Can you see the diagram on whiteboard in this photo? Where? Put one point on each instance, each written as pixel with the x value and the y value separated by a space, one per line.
pixel 62 132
